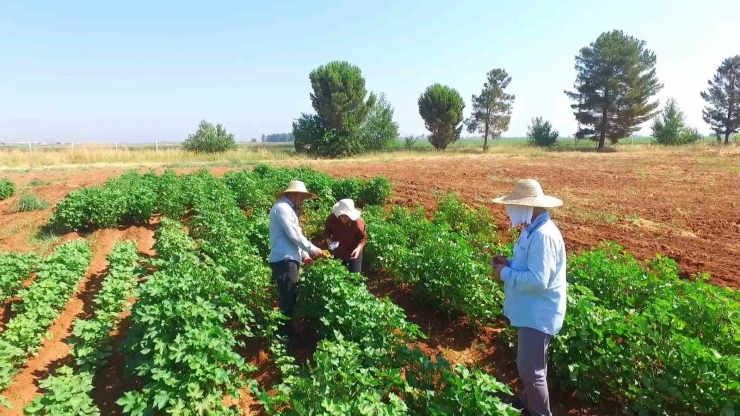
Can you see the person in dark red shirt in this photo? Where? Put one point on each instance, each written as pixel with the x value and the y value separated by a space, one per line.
pixel 346 235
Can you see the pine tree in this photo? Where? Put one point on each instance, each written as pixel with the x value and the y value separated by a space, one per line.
pixel 723 99
pixel 492 108
pixel 615 82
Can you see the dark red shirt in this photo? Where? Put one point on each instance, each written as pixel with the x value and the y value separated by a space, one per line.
pixel 349 236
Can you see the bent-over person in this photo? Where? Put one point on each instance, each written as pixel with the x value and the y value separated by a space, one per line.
pixel 345 233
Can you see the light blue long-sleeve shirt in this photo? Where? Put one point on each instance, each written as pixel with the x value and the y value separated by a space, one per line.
pixel 535 282
pixel 287 241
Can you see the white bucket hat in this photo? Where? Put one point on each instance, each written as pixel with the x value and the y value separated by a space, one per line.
pixel 346 207
pixel 528 193
pixel 297 187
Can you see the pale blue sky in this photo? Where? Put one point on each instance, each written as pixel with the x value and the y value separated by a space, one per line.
pixel 140 71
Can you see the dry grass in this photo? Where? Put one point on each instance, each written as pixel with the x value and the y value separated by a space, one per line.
pixel 105 156
pixel 95 155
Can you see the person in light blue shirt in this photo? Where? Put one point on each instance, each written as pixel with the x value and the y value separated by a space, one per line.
pixel 535 287
pixel 288 249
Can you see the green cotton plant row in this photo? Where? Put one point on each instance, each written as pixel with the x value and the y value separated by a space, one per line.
pixel 436 262
pixel 57 280
pixel 134 198
pixel 196 311
pixel 363 367
pixel 647 339
pixel 67 392
pixel 14 269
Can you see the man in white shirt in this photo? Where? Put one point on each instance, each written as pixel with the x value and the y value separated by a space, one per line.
pixel 289 248
pixel 535 287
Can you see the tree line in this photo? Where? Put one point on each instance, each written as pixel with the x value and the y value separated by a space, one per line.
pixel 612 96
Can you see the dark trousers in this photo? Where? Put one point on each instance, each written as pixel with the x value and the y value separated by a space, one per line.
pixel 531 361
pixel 354 266
pixel 285 274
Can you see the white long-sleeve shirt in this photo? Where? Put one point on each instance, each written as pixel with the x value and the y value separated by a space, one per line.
pixel 535 282
pixel 287 241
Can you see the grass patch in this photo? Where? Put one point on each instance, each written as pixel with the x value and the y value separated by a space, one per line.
pixel 29 202
pixel 43 241
pixel 599 217
pixel 39 182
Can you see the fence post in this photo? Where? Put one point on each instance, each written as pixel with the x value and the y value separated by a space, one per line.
pixel 156 145
pixel 116 146
pixel 30 150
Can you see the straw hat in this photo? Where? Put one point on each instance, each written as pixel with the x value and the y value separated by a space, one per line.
pixel 297 187
pixel 346 207
pixel 528 193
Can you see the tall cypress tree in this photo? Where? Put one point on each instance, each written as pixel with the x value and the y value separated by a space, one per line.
pixel 723 99
pixel 615 82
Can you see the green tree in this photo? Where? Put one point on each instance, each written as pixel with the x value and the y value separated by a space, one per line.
pixel 379 131
pixel 670 127
pixel 492 108
pixel 615 82
pixel 540 133
pixel 723 99
pixel 339 95
pixel 209 139
pixel 442 107
pixel 339 99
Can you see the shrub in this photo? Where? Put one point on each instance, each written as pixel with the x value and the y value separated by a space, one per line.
pixel 379 132
pixel 7 189
pixel 541 133
pixel 210 139
pixel 29 202
pixel 670 127
pixel 347 188
pixel 375 192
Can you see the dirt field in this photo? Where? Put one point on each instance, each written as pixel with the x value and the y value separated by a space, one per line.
pixel 686 206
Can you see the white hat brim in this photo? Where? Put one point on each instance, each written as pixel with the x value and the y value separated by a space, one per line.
pixel 309 195
pixel 352 214
pixel 543 201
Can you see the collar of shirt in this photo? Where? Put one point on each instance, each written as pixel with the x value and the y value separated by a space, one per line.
pixel 541 219
pixel 286 199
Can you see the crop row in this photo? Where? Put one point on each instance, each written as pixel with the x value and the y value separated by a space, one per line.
pixel 635 335
pixel 364 366
pixel 68 390
pixel 647 338
pixel 197 309
pixel 134 198
pixel 439 264
pixel 14 269
pixel 57 279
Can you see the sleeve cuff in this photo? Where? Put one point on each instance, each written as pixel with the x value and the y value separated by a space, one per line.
pixel 506 274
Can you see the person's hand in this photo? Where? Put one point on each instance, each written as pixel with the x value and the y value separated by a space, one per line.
pixel 308 261
pixel 497 270
pixel 317 253
pixel 355 253
pixel 499 260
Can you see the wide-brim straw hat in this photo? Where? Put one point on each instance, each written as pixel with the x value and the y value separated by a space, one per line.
pixel 297 187
pixel 528 193
pixel 346 207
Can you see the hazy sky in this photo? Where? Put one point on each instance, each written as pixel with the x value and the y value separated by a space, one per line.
pixel 140 71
